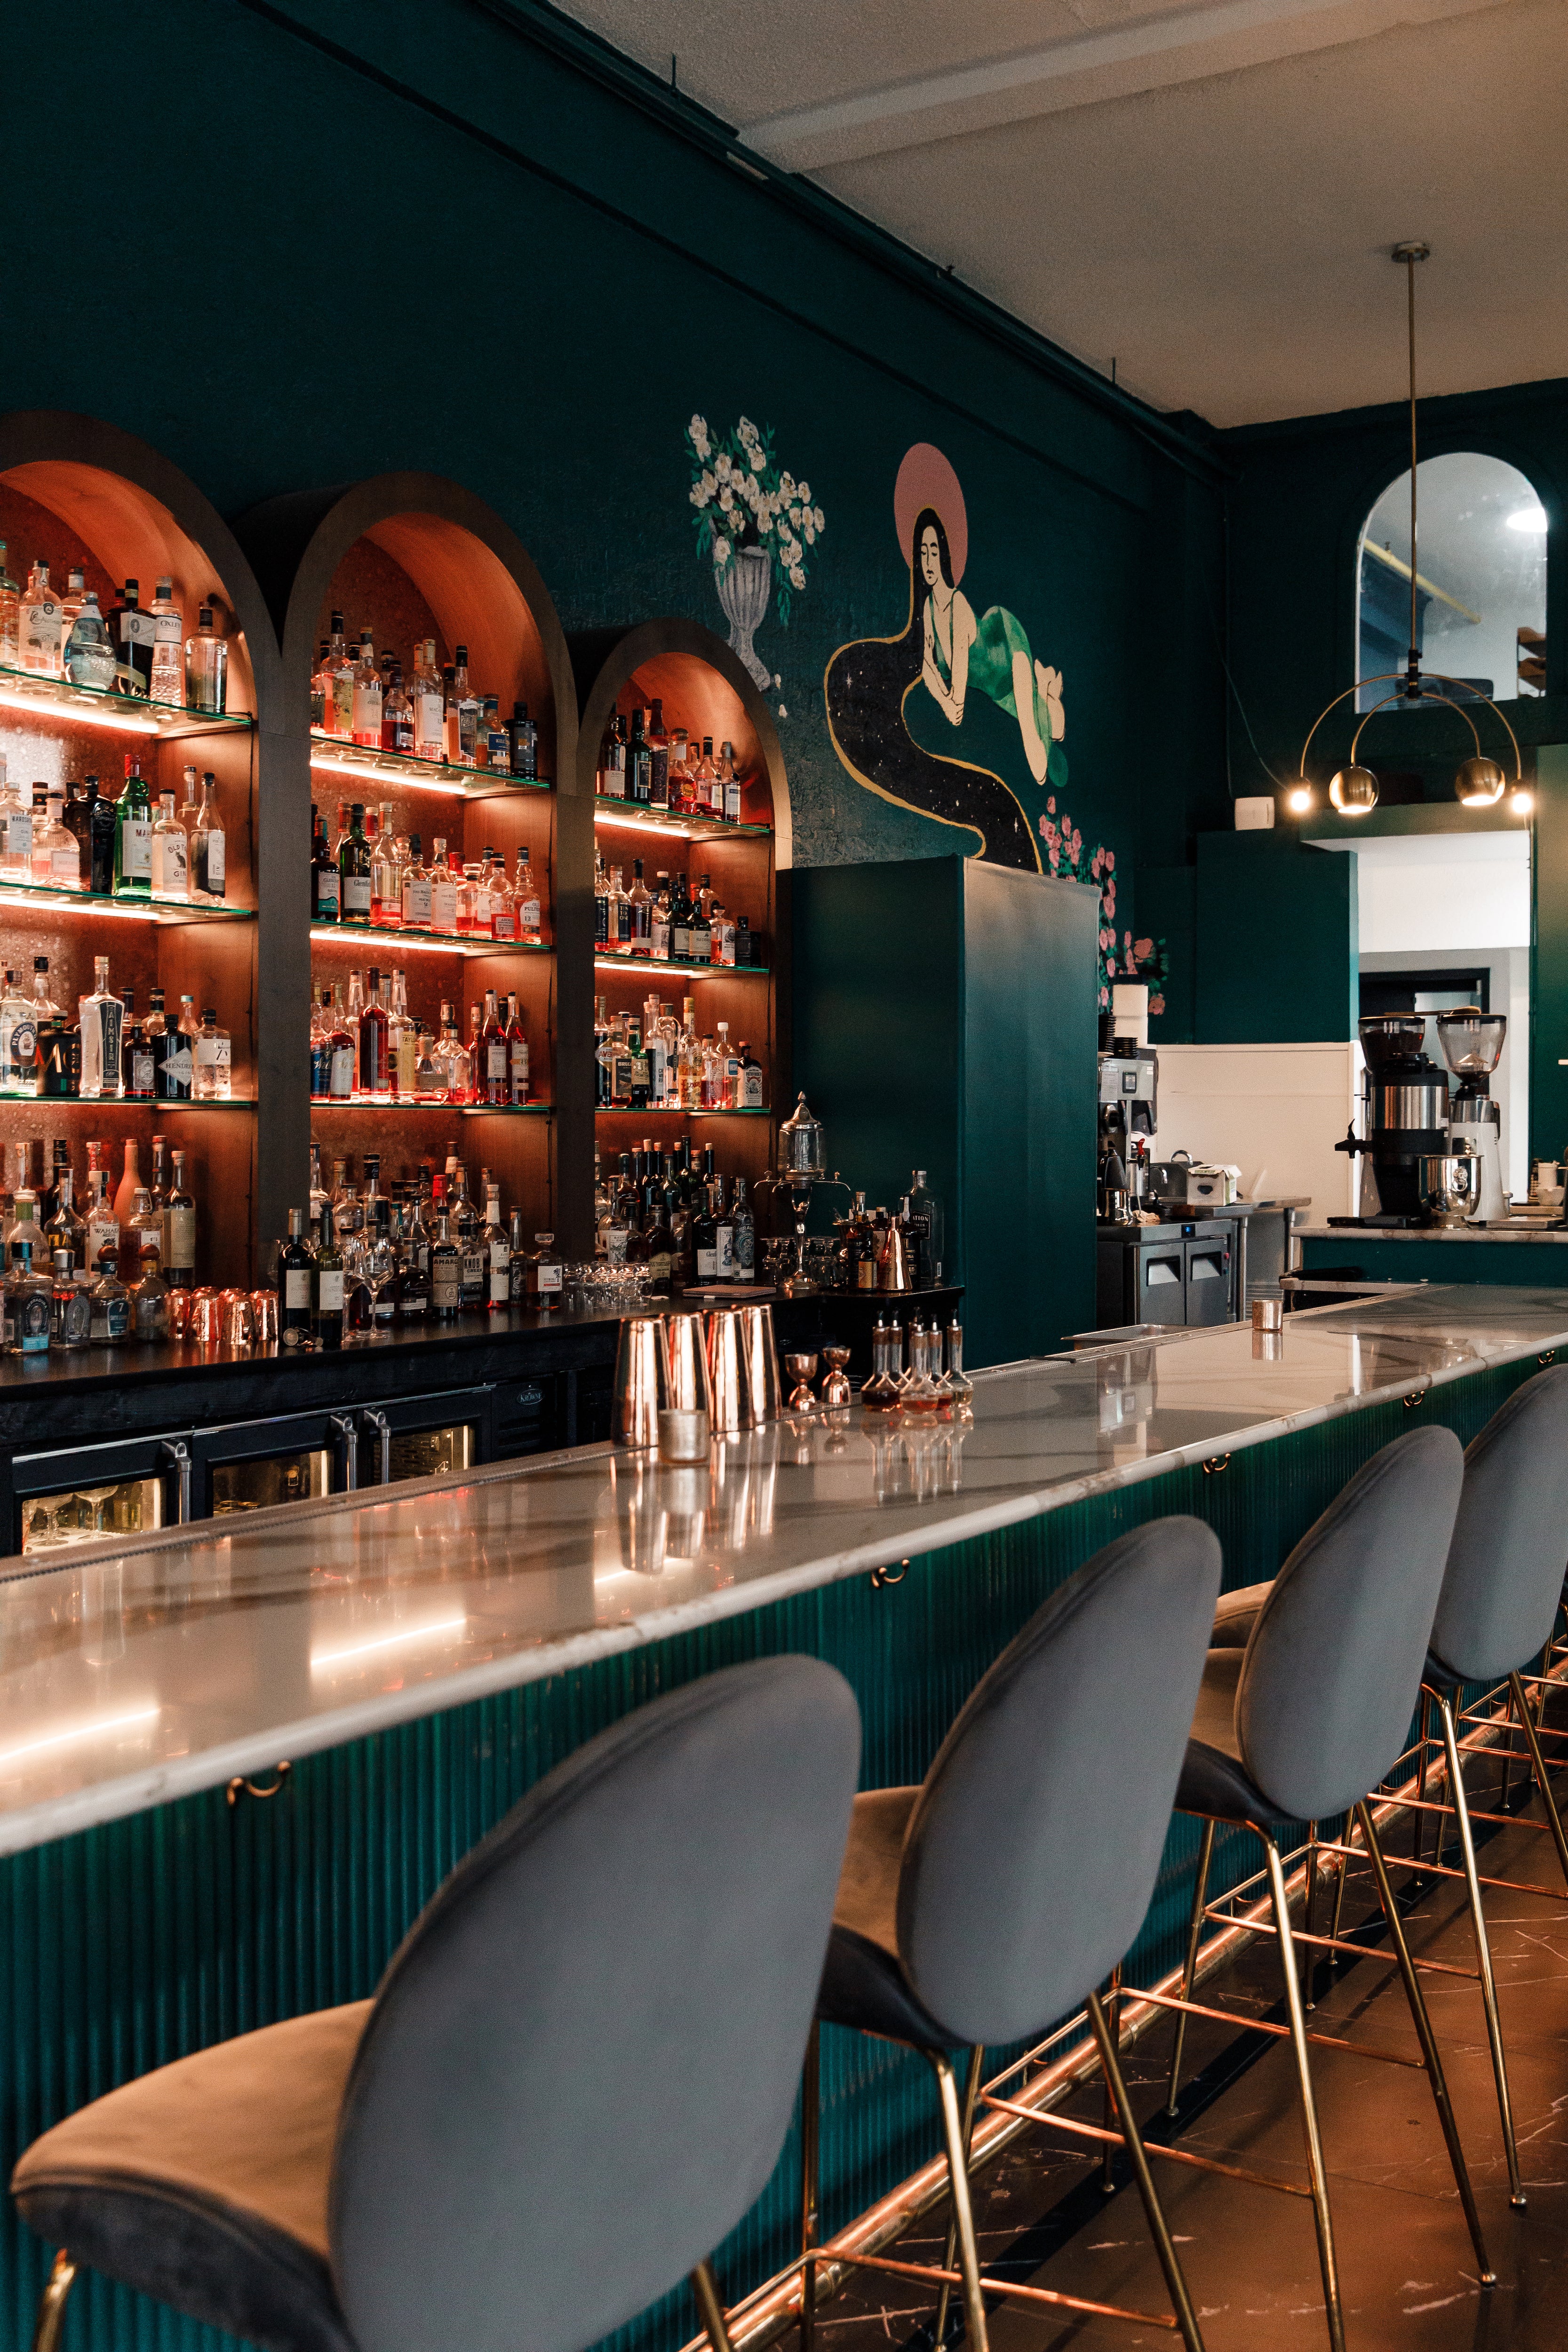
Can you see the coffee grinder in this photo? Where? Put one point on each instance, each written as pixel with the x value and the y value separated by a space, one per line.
pixel 1129 1097
pixel 1406 1117
pixel 1472 1043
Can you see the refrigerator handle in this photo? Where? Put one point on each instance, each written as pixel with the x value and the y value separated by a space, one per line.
pixel 343 1422
pixel 383 1427
pixel 178 1453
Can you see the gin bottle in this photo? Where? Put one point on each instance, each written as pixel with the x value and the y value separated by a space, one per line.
pixel 171 850
pixel 206 666
pixel 39 625
pixel 10 616
pixel 133 835
pixel 57 853
pixel 102 1018
pixel 168 675
pixel 208 863
pixel 212 1071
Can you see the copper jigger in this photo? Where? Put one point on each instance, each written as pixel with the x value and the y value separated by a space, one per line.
pixel 690 1389
pixel 761 1363
pixel 205 1317
pixel 801 1370
pixel 265 1303
pixel 642 1379
pixel 179 1312
pixel 835 1387
pixel 728 1372
pixel 236 1319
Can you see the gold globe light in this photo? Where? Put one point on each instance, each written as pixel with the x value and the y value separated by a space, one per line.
pixel 1353 791
pixel 1299 797
pixel 1479 783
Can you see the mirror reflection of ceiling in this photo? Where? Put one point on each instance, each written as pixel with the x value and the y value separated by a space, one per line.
pixel 1205 192
pixel 1480 574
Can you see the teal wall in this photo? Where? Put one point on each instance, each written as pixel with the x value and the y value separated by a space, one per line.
pixel 466 237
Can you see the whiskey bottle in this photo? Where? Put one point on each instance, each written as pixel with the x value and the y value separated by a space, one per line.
pixel 445 1273
pixel 529 925
pixel 492 1074
pixel 639 761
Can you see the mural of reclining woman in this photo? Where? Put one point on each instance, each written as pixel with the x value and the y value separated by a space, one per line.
pixel 944 655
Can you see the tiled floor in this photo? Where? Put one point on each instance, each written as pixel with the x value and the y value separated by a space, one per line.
pixel 1409 2276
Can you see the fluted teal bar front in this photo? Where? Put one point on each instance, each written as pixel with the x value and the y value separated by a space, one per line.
pixel 131 1944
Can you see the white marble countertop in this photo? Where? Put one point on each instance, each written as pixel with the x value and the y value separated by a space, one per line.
pixel 1527 1229
pixel 131 1675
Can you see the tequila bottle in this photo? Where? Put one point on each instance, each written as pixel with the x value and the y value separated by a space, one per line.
pixel 102 1016
pixel 206 666
pixel 166 682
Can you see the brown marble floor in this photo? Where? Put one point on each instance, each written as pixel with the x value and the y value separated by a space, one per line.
pixel 1408 2272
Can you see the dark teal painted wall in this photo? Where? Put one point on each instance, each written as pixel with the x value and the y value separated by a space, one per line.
pixel 466 242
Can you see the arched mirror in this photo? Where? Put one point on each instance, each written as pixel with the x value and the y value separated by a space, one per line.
pixel 1480 578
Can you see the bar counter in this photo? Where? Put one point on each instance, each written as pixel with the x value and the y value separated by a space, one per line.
pixel 1526 1252
pixel 419 1658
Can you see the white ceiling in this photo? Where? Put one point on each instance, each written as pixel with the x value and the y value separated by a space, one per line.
pixel 1206 192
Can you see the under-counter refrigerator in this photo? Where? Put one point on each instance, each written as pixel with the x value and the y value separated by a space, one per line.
pixel 945 1016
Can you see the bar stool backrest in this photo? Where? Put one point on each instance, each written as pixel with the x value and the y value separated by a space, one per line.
pixel 1332 1671
pixel 1033 1849
pixel 583 2062
pixel 1504 1577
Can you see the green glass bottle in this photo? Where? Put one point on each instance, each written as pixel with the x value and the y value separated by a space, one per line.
pixel 133 835
pixel 353 870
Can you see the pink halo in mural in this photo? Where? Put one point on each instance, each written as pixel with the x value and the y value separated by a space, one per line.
pixel 926 480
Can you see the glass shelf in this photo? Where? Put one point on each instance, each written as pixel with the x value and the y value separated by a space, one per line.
pixel 401 1107
pixel 428 942
pixel 331 756
pixel 156 1103
pixel 99 706
pixel 641 966
pixel 628 817
pixel 137 910
pixel 671 1110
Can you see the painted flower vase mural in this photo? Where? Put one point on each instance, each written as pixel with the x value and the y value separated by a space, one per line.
pixel 759 525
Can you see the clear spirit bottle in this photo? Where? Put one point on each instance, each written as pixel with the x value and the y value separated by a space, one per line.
pixel 39 625
pixel 16 832
pixel 57 851
pixel 731 784
pixel 429 709
pixel 206 666
pixel 374 1039
pixel 88 656
pixel 10 616
pixel 102 1016
pixel 130 632
pixel 214 1074
pixel 517 1052
pixel 208 863
pixel 171 853
pixel 443 892
pixel 167 681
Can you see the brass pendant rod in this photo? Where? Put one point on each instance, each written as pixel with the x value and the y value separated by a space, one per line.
pixel 1410 260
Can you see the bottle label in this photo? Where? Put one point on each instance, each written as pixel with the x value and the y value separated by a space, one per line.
pixel 745 1249
pixel 297 1286
pixel 170 869
pixel 18 834
pixel 356 895
pixel 865 1274
pixel 416 902
pixel 547 1278
pixel 445 1281
pixel 212 1053
pixel 660 939
pixel 330 1290
pixel 519 1067
pixel 136 849
pixel 503 922
pixel 749 1095
pixel 500 1283
pixel 366 709
pixel 178 1071
pixel 429 727
pixel 495 1061
pixel 341 1081
pixel 681 942
pixel 65 865
pixel 210 850
pixel 141 1071
pixel 43 625
pixel 726 1251
pixel 443 905
pixel 473 1271
pixel 528 915
pixel 180 1238
pixel 327 895
pixel 168 629
pixel 24 1046
pixel 707 1265
pixel 111 1318
pixel 138 629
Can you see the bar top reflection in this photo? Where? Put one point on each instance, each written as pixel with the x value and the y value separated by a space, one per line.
pixel 129 1677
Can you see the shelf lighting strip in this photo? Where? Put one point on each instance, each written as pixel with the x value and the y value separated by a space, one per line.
pixel 131 910
pixel 37 706
pixel 447 943
pixel 712 828
pixel 451 782
pixel 640 965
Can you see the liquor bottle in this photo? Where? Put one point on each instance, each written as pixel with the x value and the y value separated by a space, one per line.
pixel 337 704
pixel 445 1273
pixel 142 1232
pixel 611 776
pixel 658 925
pixel 374 1040
pixel 208 865
pixel 169 871
pixel 174 1054
pixel 102 1016
pixel 413 1282
pixel 353 869
pixel 414 910
pixel 63 1228
pixel 131 633
pixel 178 1210
pixel 213 1060
pixel 77 818
pixel 705 1240
pixel 639 918
pixel 135 1052
pixel 87 655
pixel 16 831
pixel 320 689
pixel 620 916
pixel 749 1079
pixel 744 1243
pixel 102 1224
pixel 367 696
pixel 49 1191
pixel 443 891
pixel 468 711
pixel 493 1072
pixel 639 760
pixel 681 912
pixel 429 711
pixel 29 1300
pixel 524 743
pixel 516 1264
pixel 10 616
pixel 294 1260
pixel 517 1052
pixel 109 1310
pixel 70 1322
pixel 327 1286
pixel 320 1049
pixel 397 716
pixel 704 779
pixel 103 832
pixel 680 799
pixel 544 1275
pixel 731 784
pixel 72 603
pixel 494 747
pixel 601 903
pixel 166 677
pixel 57 853
pixel 39 624
pixel 325 884
pixel 206 666
pixel 497 1254
pixel 658 757
pixel 386 895
pixel 133 832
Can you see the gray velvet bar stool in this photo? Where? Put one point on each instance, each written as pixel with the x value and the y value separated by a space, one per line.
pixel 575 2079
pixel 1304 1722
pixel 1501 1593
pixel 994 1899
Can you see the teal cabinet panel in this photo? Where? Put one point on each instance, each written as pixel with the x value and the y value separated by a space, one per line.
pixel 1277 926
pixel 1519 1265
pixel 944 1016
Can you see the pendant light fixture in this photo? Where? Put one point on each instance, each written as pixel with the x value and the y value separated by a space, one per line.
pixel 1479 781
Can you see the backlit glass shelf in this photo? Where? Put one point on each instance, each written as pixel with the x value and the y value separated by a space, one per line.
pixel 671 1110
pixel 330 755
pixel 98 705
pixel 156 1103
pixel 629 816
pixel 640 967
pixel 429 943
pixel 140 910
pixel 402 1106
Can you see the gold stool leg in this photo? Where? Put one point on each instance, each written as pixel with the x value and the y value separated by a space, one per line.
pixel 710 2308
pixel 1317 2169
pixel 1176 2284
pixel 52 2304
pixel 1554 1818
pixel 1428 2041
pixel 1107 2101
pixel 962 2212
pixel 1195 1937
pixel 810 2158
pixel 1423 1740
pixel 1483 1947
pixel 970 2093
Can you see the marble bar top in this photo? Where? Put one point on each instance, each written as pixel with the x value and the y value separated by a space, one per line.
pixel 132 1674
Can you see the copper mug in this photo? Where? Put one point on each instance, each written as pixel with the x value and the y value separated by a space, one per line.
pixel 179 1313
pixel 265 1303
pixel 236 1319
pixel 204 1317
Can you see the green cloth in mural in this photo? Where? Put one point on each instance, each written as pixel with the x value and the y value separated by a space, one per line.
pixel 998 636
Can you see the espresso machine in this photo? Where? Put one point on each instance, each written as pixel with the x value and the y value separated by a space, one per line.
pixel 1404 1119
pixel 1472 1043
pixel 1128 1101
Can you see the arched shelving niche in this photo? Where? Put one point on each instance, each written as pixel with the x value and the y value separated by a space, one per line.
pixel 701 686
pixel 412 557
pixel 77 492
